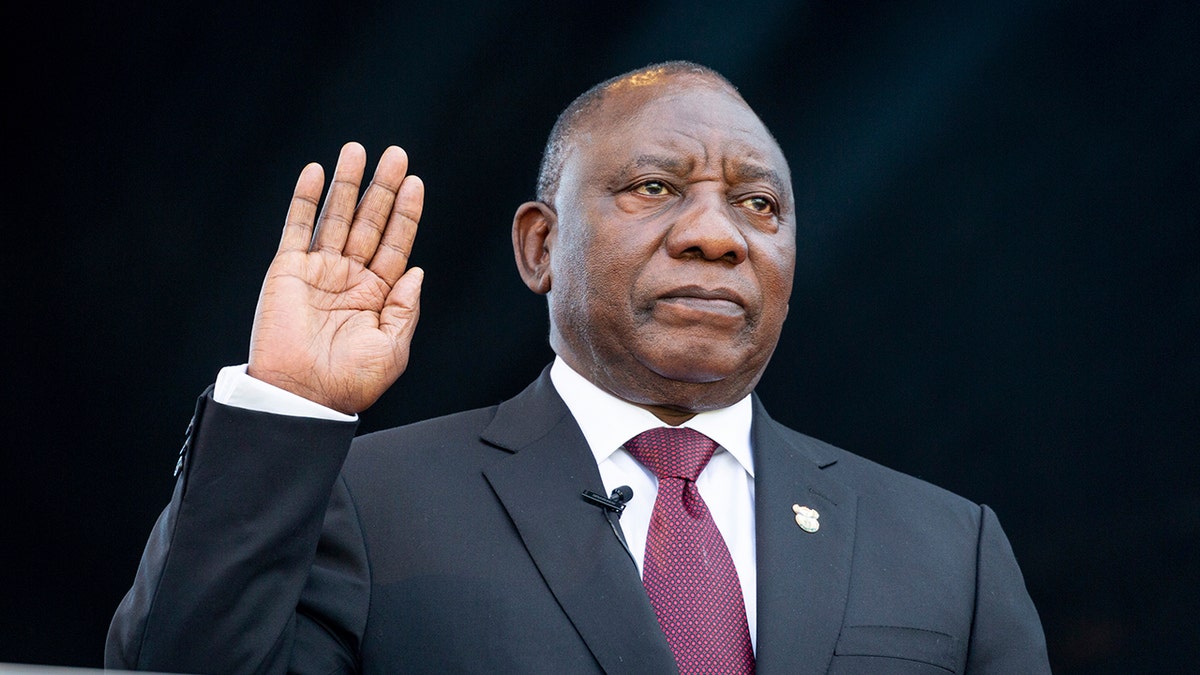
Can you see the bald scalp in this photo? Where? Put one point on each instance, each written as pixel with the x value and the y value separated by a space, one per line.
pixel 578 114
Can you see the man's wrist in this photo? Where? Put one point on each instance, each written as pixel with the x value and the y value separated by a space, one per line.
pixel 236 388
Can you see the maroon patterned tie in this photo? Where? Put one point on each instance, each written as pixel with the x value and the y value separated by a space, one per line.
pixel 688 572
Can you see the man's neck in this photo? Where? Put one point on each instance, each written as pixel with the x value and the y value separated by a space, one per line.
pixel 607 421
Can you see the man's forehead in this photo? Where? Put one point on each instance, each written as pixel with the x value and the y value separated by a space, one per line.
pixel 667 120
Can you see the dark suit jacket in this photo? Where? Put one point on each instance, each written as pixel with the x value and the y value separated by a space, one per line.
pixel 461 544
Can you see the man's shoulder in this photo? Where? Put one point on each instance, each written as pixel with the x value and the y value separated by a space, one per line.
pixel 507 423
pixel 870 478
pixel 446 451
pixel 444 430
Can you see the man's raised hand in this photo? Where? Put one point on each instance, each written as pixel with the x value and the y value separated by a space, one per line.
pixel 338 308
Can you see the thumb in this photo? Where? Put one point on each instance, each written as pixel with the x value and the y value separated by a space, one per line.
pixel 402 308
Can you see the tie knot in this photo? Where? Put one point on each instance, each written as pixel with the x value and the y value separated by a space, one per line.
pixel 672 452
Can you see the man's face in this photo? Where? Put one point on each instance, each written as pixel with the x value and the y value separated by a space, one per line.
pixel 671 263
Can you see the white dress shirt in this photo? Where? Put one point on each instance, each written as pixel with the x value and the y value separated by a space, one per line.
pixel 726 483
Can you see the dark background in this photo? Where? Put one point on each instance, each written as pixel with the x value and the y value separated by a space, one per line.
pixel 997 285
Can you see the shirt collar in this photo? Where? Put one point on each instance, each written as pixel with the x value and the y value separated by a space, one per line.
pixel 607 421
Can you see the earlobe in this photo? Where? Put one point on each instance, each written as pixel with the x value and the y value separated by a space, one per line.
pixel 534 227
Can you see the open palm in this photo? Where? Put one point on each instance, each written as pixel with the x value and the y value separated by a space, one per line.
pixel 338 308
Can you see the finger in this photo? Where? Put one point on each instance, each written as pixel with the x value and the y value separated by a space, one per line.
pixel 371 216
pixel 338 210
pixel 391 258
pixel 298 226
pixel 400 313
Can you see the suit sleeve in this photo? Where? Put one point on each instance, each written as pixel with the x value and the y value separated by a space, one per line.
pixel 237 576
pixel 1006 634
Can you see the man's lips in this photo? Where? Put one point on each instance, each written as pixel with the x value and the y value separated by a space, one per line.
pixel 723 301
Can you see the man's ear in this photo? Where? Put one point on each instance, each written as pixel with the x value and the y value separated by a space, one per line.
pixel 534 227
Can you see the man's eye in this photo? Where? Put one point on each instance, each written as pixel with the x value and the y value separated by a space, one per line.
pixel 759 204
pixel 652 188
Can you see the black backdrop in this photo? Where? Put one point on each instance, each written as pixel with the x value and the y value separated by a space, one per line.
pixel 997 285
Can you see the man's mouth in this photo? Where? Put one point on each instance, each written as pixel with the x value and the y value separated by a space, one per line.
pixel 720 301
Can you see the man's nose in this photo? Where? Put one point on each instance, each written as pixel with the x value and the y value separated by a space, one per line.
pixel 708 228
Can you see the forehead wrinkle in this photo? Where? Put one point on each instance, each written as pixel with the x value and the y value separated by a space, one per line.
pixel 674 165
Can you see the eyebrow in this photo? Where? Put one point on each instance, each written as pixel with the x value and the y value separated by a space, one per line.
pixel 742 171
pixel 747 173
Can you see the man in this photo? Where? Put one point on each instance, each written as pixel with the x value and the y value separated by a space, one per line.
pixel 664 239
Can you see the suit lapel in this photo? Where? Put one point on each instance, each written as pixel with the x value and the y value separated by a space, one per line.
pixel 803 577
pixel 570 541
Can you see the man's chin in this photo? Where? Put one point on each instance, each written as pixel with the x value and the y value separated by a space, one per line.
pixel 695 367
pixel 706 372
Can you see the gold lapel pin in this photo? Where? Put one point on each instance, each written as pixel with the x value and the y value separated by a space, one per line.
pixel 806 518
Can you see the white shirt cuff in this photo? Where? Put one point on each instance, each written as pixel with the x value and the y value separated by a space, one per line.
pixel 235 388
